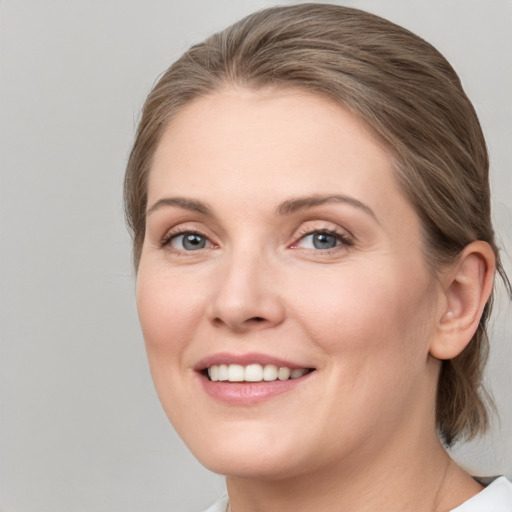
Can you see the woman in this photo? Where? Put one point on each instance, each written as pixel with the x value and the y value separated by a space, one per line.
pixel 309 201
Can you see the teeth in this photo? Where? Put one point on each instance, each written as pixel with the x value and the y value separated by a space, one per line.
pixel 299 372
pixel 223 372
pixel 270 372
pixel 213 372
pixel 253 373
pixel 236 373
pixel 283 373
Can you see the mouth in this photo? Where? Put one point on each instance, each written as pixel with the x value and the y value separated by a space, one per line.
pixel 253 372
pixel 250 379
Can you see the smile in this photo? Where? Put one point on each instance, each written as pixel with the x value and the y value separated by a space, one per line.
pixel 249 379
pixel 253 373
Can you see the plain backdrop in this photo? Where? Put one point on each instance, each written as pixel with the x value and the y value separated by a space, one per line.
pixel 81 429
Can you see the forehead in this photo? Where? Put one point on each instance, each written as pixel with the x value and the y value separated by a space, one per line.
pixel 267 144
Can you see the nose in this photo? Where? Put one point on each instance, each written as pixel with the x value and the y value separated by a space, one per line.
pixel 246 297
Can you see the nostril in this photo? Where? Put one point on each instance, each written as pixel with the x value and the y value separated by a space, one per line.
pixel 255 319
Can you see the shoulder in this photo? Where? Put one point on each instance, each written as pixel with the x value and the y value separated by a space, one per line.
pixel 219 506
pixel 496 497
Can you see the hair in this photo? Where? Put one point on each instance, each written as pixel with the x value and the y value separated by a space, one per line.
pixel 401 87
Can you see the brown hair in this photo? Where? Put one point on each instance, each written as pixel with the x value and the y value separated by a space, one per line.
pixel 400 86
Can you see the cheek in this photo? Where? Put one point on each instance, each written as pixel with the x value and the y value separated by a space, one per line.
pixel 366 312
pixel 374 329
pixel 168 311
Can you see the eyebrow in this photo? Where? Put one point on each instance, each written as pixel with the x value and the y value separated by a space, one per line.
pixel 287 207
pixel 302 203
pixel 181 202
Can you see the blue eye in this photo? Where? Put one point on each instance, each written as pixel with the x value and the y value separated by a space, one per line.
pixel 322 240
pixel 189 242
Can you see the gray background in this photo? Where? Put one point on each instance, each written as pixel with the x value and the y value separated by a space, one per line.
pixel 80 425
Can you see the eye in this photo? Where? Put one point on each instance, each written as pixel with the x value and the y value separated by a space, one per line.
pixel 319 241
pixel 189 241
pixel 322 240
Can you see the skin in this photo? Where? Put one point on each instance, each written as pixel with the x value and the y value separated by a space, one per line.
pixel 358 433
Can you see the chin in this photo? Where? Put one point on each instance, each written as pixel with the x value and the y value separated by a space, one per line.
pixel 247 455
pixel 258 467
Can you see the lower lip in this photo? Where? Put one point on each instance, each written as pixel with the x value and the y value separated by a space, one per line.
pixel 249 393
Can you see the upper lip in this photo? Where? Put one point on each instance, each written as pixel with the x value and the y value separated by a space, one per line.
pixel 244 360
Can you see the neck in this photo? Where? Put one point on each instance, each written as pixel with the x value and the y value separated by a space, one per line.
pixel 421 477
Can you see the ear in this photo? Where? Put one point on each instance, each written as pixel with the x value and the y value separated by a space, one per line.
pixel 467 285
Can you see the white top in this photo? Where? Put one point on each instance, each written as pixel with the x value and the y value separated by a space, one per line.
pixel 219 506
pixel 496 497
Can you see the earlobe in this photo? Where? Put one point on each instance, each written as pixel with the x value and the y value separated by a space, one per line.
pixel 467 287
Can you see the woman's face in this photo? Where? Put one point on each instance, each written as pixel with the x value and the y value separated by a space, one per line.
pixel 278 244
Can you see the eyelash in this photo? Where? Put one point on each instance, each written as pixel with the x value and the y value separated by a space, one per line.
pixel 180 232
pixel 341 237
